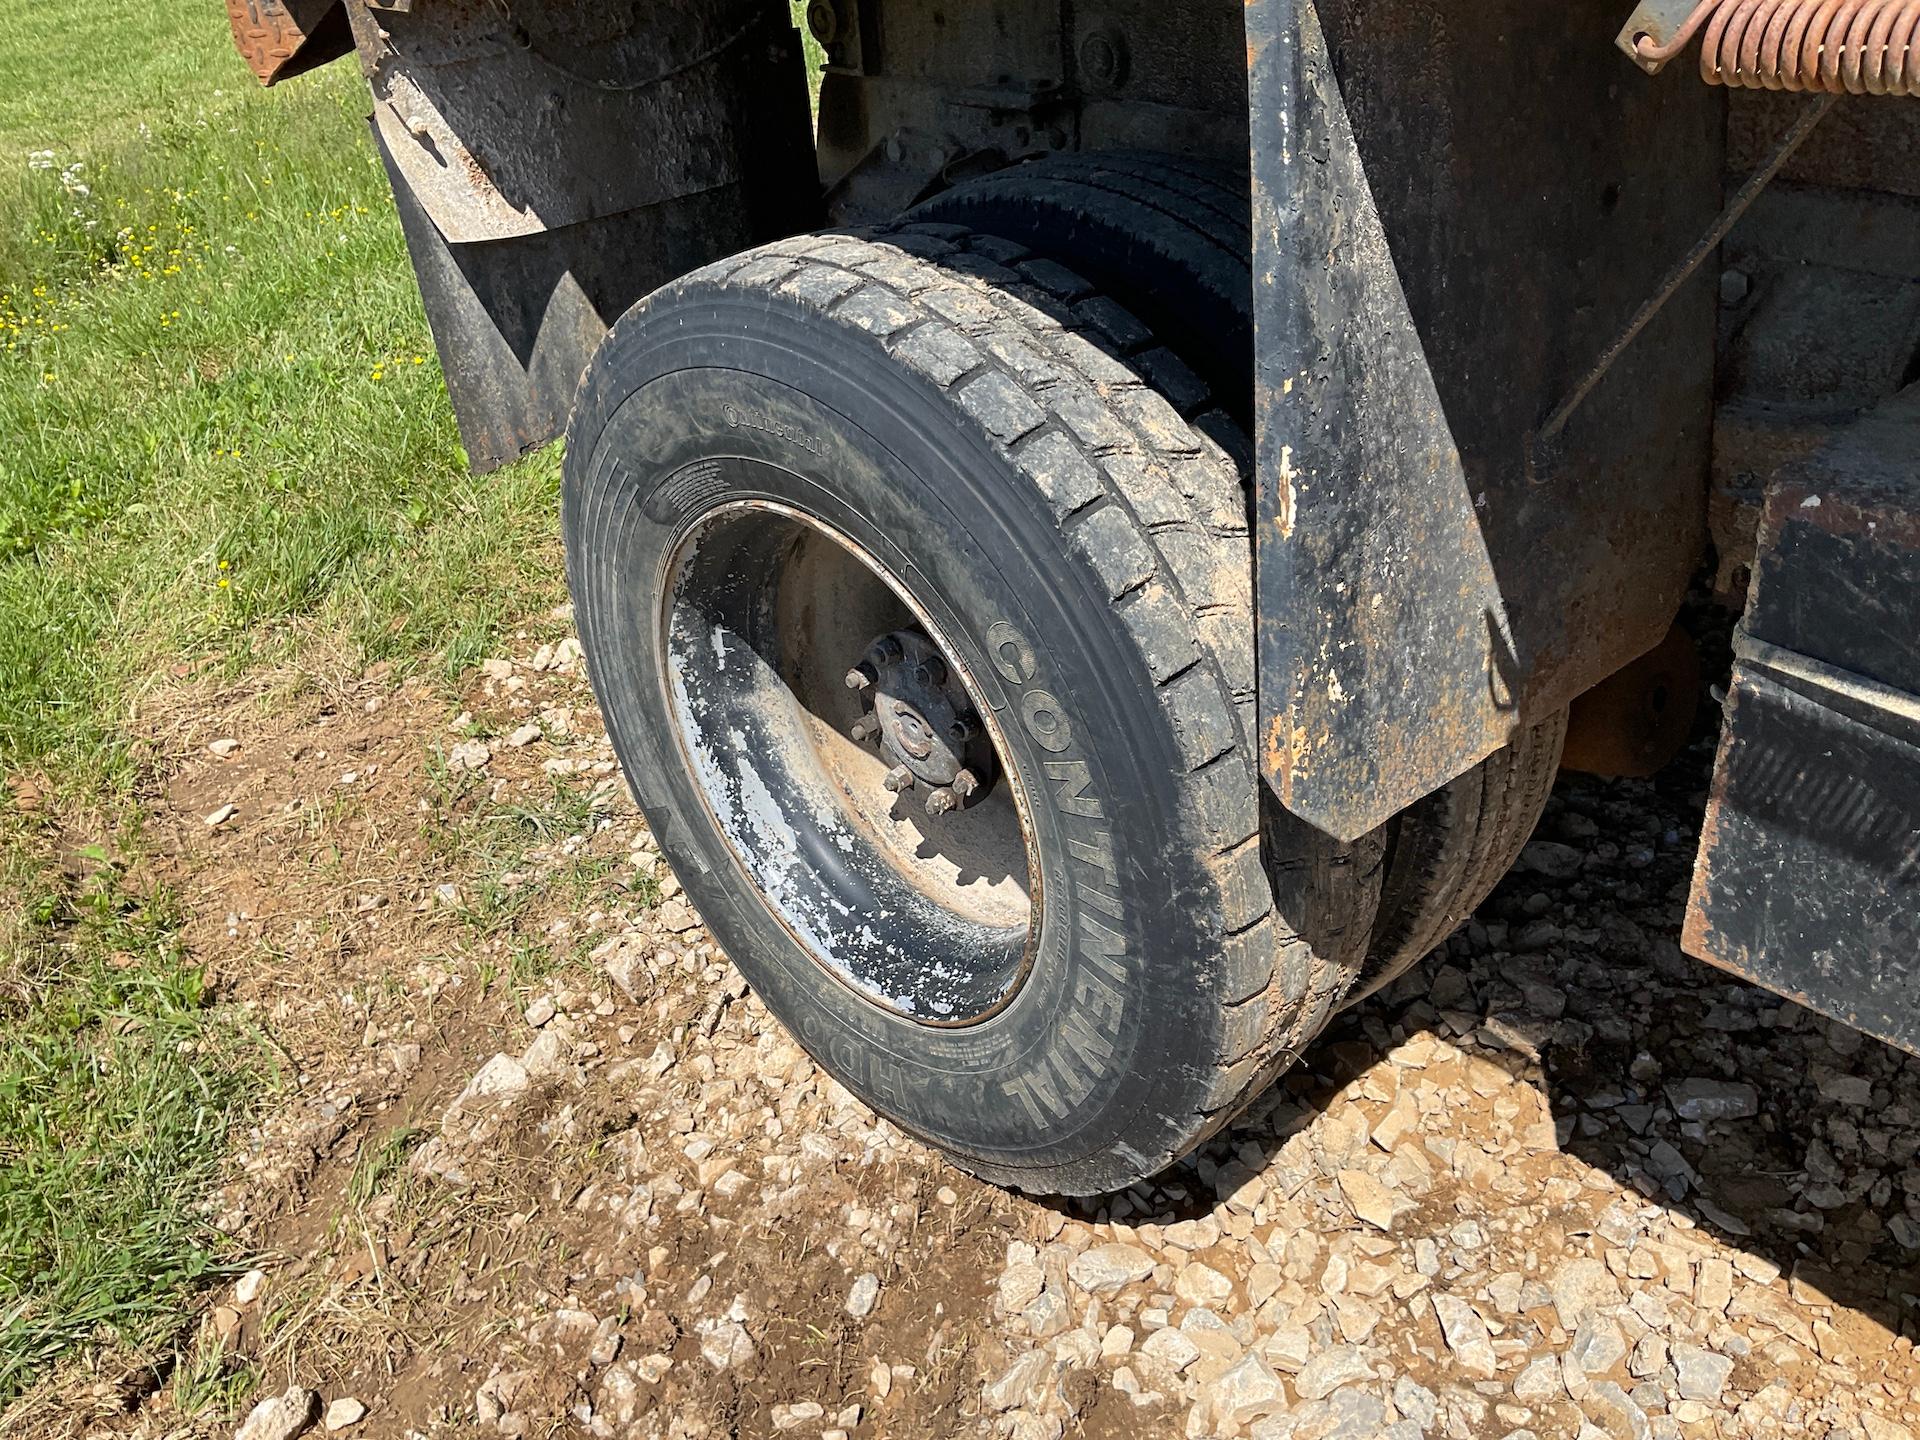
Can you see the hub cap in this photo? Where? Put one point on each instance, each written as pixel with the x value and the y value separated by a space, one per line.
pixel 923 722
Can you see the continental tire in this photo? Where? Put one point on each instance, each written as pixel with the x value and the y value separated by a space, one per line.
pixel 1446 853
pixel 918 478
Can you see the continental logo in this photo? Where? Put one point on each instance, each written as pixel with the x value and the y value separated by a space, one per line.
pixel 739 419
pixel 1067 1073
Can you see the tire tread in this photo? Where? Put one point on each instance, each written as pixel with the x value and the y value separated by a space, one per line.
pixel 1058 378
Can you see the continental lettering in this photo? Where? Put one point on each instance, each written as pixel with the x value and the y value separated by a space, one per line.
pixel 1073 777
pixel 738 419
pixel 1103 948
pixel 1098 1002
pixel 1085 1049
pixel 1021 1091
pixel 1093 1049
pixel 1012 656
pixel 1046 722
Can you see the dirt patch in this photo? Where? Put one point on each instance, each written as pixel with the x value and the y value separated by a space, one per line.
pixel 541 1164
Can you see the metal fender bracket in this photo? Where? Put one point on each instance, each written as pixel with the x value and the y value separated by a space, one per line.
pixel 1451 220
pixel 1808 880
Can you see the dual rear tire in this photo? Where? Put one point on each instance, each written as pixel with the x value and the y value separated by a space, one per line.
pixel 832 500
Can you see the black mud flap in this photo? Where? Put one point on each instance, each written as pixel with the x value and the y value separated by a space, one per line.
pixel 553 164
pixel 1455 211
pixel 1808 880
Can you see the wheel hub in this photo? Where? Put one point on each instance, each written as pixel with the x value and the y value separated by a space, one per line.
pixel 923 723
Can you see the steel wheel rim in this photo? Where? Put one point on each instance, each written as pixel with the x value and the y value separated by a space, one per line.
pixel 761 611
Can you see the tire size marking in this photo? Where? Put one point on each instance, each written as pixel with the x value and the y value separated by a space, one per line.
pixel 1066 1074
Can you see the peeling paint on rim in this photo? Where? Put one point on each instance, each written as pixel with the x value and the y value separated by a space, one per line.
pixel 898 924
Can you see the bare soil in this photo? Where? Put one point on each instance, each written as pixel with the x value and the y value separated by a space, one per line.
pixel 541 1164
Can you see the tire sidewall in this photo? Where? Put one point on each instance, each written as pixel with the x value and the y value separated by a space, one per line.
pixel 1073 1085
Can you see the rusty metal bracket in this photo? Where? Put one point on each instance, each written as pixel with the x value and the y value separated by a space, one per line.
pixel 1657 20
pixel 282 38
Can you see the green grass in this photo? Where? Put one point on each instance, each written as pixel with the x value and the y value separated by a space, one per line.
pixel 117 1082
pixel 227 445
pixel 229 429
pixel 70 72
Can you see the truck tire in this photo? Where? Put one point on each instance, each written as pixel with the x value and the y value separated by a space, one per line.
pixel 1170 239
pixel 1446 853
pixel 849 481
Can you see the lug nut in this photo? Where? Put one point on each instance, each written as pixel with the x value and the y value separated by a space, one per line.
pixel 963 730
pixel 966 784
pixel 887 649
pixel 931 672
pixel 941 801
pixel 898 779
pixel 861 676
pixel 865 728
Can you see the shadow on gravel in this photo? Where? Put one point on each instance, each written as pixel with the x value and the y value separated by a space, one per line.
pixel 1787 1141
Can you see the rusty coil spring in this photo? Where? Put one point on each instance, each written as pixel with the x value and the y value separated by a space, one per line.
pixel 1845 47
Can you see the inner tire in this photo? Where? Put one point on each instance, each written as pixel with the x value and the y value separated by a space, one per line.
pixel 1169 238
pixel 975 430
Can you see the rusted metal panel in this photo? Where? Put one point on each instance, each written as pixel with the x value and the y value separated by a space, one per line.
pixel 547 186
pixel 1637 720
pixel 1820 321
pixel 1454 214
pixel 282 38
pixel 1837 570
pixel 1808 880
pixel 516 119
